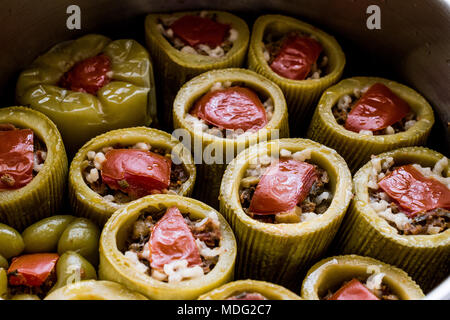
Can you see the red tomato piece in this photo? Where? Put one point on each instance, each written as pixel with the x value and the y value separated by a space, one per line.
pixel 16 158
pixel 195 30
pixel 353 290
pixel 31 269
pixel 283 185
pixel 171 240
pixel 414 192
pixel 231 108
pixel 377 109
pixel 88 75
pixel 296 57
pixel 136 172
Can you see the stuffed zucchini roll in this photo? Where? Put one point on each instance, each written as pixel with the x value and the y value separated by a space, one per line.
pixel 285 200
pixel 126 164
pixel 186 44
pixel 94 290
pixel 223 112
pixel 250 290
pixel 167 247
pixel 91 85
pixel 362 116
pixel 48 255
pixel 33 167
pixel 299 58
pixel 354 277
pixel 400 213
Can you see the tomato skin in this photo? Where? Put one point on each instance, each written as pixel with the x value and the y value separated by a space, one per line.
pixel 88 75
pixel 231 108
pixel 31 269
pixel 296 57
pixel 414 192
pixel 353 290
pixel 16 157
pixel 171 240
pixel 284 184
pixel 195 30
pixel 144 172
pixel 377 109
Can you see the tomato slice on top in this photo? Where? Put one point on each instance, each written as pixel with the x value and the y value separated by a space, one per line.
pixel 296 57
pixel 31 269
pixel 377 109
pixel 353 290
pixel 88 75
pixel 195 30
pixel 16 158
pixel 284 184
pixel 414 192
pixel 136 172
pixel 231 108
pixel 171 240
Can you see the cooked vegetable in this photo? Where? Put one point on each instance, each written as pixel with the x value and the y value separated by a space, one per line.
pixel 340 275
pixel 11 242
pixel 31 270
pixel 40 196
pixel 84 86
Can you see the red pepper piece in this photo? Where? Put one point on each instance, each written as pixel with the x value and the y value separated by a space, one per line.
pixel 31 269
pixel 16 158
pixel 283 185
pixel 231 108
pixel 296 57
pixel 136 172
pixel 195 30
pixel 414 192
pixel 171 240
pixel 88 75
pixel 377 109
pixel 353 290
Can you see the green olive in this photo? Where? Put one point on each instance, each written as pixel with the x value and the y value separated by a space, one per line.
pixel 11 242
pixel 72 267
pixel 25 297
pixel 81 236
pixel 43 236
pixel 3 262
pixel 3 283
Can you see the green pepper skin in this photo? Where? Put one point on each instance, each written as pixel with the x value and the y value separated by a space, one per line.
pixel 11 242
pixel 72 267
pixel 3 284
pixel 79 115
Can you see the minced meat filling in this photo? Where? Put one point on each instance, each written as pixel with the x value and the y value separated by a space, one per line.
pixel 164 26
pixel 40 291
pixel 92 168
pixel 206 233
pixel 345 104
pixel 423 223
pixel 273 42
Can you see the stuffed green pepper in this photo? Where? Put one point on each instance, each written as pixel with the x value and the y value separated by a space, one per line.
pixel 400 213
pixel 33 167
pixel 362 116
pixel 91 85
pixel 299 58
pixel 186 44
pixel 220 113
pixel 126 164
pixel 167 247
pixel 250 290
pixel 353 277
pixel 285 200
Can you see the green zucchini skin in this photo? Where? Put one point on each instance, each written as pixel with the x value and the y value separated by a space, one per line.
pixel 424 257
pixel 332 271
pixel 43 196
pixel 174 68
pixel 356 148
pixel 301 95
pixel 280 253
